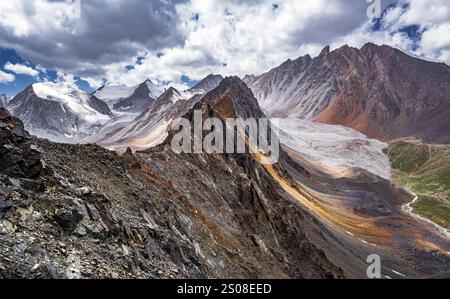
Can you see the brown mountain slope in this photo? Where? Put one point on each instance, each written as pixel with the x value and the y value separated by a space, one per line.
pixel 380 91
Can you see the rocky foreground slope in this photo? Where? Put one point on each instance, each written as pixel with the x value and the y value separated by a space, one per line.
pixel 81 211
pixel 85 212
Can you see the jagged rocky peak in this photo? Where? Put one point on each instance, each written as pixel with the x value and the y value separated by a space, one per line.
pixel 150 127
pixel 173 95
pixel 154 90
pixel 233 98
pixel 208 83
pixel 133 99
pixel 232 85
pixel 170 92
pixel 325 51
pixel 142 97
pixel 248 78
pixel 370 46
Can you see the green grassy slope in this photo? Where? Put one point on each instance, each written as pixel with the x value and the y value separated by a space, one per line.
pixel 425 170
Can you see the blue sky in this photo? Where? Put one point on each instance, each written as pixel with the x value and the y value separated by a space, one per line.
pixel 179 42
pixel 11 88
pixel 23 80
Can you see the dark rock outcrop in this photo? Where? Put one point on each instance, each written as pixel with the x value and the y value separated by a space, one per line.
pixel 4 99
pixel 99 105
pixel 234 99
pixel 18 158
pixel 140 100
pixel 208 83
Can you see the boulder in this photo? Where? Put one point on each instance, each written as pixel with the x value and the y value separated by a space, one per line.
pixel 18 158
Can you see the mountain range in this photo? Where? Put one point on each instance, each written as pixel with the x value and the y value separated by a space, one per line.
pixel 151 126
pixel 377 90
pixel 59 111
pixel 106 197
pixel 131 99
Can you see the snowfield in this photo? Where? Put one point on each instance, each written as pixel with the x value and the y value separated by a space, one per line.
pixel 336 150
pixel 155 91
pixel 112 94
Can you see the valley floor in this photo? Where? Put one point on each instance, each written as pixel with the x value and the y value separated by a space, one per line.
pixel 425 170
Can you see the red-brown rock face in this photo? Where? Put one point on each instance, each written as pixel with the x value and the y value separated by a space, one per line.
pixel 377 90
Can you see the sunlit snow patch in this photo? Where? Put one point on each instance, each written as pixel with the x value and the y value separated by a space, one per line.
pixel 336 150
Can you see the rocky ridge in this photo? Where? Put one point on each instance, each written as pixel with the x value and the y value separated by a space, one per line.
pixel 91 213
pixel 377 90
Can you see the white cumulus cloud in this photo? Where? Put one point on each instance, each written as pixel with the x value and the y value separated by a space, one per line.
pixel 21 69
pixel 128 41
pixel 6 78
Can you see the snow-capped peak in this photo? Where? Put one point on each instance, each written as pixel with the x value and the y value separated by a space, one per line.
pixel 119 96
pixel 69 95
pixel 111 93
pixel 154 90
pixel 207 84
pixel 175 95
